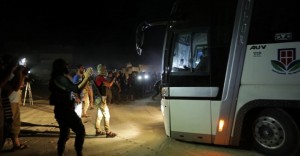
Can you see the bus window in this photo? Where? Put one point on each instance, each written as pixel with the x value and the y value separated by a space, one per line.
pixel 190 53
pixel 182 52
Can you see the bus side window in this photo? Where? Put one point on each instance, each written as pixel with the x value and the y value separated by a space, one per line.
pixel 190 52
pixel 181 53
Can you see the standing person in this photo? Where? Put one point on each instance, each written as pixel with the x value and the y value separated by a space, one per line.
pixel 132 86
pixel 157 88
pixel 61 87
pixel 83 105
pixel 109 92
pixel 123 84
pixel 14 98
pixel 8 64
pixel 11 100
pixel 103 110
pixel 117 88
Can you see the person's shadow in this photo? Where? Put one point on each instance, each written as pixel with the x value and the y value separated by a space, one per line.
pixel 37 133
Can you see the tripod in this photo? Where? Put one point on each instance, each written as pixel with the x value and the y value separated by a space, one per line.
pixel 28 90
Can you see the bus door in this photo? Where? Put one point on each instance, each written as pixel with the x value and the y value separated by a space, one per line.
pixel 190 90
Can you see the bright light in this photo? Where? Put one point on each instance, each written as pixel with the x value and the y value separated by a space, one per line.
pixel 22 61
pixel 139 77
pixel 146 76
pixel 221 125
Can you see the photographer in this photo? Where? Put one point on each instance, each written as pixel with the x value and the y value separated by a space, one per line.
pixel 11 100
pixel 8 64
pixel 103 111
pixel 61 87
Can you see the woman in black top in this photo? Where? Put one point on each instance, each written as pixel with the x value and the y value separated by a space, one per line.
pixel 61 87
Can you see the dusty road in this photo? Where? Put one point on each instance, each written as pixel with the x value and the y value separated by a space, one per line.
pixel 140 133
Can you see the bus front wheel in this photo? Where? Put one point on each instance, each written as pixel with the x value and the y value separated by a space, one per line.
pixel 275 133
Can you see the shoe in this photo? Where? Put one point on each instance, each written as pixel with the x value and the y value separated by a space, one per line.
pixel 100 133
pixel 20 147
pixel 110 134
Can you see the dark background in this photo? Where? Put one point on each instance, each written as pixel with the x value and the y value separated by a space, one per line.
pixel 93 31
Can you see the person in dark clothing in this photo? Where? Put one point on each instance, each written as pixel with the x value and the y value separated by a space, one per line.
pixel 157 88
pixel 61 87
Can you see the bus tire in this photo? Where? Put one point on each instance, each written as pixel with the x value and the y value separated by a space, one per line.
pixel 275 133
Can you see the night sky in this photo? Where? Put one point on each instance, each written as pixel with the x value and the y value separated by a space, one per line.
pixel 92 31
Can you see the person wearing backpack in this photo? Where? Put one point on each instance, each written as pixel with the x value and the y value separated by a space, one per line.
pixel 103 110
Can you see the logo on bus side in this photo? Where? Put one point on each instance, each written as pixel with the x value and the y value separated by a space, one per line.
pixel 286 62
pixel 256 50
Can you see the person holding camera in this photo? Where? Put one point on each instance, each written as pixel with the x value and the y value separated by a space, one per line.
pixel 103 111
pixel 61 88
pixel 84 96
pixel 11 100
pixel 8 64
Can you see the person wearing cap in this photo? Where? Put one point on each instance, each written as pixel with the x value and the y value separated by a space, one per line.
pixel 103 110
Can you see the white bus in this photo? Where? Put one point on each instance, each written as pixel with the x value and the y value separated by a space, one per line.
pixel 231 73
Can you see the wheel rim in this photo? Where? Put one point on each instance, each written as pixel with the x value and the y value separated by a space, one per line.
pixel 269 133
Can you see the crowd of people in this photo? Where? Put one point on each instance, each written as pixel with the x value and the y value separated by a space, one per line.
pixel 85 90
pixel 72 95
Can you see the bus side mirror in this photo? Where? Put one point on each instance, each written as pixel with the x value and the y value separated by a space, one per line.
pixel 140 33
pixel 139 38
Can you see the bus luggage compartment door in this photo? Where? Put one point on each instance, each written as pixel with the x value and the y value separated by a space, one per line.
pixel 190 120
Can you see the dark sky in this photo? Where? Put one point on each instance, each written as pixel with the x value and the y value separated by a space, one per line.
pixel 93 31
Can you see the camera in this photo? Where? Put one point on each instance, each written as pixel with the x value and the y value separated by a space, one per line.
pixel 25 70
